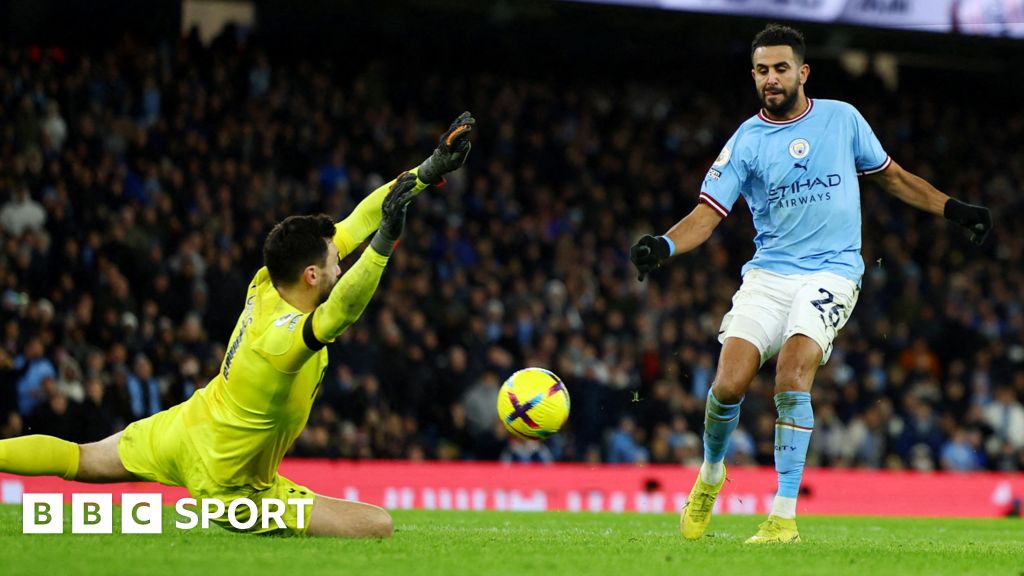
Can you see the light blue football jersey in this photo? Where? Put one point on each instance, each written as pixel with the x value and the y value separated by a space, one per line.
pixel 799 179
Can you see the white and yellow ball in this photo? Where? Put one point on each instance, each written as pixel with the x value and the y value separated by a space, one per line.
pixel 533 403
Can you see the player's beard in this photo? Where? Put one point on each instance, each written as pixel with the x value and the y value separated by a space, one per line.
pixel 781 107
pixel 326 287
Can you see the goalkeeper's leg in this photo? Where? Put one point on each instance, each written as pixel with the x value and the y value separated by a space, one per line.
pixel 348 519
pixel 39 455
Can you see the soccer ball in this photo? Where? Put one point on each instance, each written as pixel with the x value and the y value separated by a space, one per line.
pixel 533 403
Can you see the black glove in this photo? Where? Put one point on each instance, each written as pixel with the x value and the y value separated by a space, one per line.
pixel 392 214
pixel 648 253
pixel 451 152
pixel 976 219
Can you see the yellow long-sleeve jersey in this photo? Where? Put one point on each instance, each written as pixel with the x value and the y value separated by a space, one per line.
pixel 244 421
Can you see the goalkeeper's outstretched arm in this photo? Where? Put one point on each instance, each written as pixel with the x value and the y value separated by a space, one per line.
pixel 347 301
pixel 353 230
pixel 354 289
pixel 450 154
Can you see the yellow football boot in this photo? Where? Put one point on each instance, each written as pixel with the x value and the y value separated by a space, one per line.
pixel 696 516
pixel 776 530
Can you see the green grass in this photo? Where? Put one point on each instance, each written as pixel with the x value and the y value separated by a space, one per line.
pixel 541 544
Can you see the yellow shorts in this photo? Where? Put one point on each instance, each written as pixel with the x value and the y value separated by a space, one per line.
pixel 159 449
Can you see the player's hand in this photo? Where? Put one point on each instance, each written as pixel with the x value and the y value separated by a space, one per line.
pixel 392 214
pixel 451 152
pixel 648 254
pixel 976 219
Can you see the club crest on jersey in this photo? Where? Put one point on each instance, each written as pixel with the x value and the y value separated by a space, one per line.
pixel 799 148
pixel 723 157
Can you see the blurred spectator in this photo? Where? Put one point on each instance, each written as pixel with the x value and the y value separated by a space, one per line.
pixel 55 416
pixel 96 421
pixel 143 389
pixel 625 445
pixel 830 440
pixel 742 447
pixel 8 386
pixel 1006 417
pixel 69 380
pixel 22 213
pixel 526 451
pixel 921 437
pixel 962 453
pixel 868 436
pixel 687 447
pixel 55 129
pixel 35 369
pixel 11 425
pixel 480 401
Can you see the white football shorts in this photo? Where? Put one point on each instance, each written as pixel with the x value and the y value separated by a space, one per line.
pixel 769 308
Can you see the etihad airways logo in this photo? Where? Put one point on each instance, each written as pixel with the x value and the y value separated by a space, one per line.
pixel 806 191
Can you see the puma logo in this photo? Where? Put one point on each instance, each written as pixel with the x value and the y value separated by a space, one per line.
pixel 799 165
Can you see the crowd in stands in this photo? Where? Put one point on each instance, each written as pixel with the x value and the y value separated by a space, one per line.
pixel 137 186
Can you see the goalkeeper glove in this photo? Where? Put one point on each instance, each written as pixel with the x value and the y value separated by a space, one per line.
pixel 451 152
pixel 976 219
pixel 392 214
pixel 649 253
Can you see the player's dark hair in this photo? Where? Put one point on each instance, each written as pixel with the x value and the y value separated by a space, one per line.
pixel 779 35
pixel 293 244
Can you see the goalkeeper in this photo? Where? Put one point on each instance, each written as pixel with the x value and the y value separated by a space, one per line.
pixel 228 439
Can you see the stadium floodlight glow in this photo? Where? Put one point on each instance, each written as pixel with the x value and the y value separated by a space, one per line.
pixel 143 513
pixel 970 17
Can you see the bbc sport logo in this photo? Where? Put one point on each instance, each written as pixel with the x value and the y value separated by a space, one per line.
pixel 143 513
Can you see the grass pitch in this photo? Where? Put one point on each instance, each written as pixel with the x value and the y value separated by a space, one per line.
pixel 492 543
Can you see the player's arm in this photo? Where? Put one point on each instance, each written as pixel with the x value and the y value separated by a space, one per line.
pixel 350 232
pixel 287 350
pixel 920 194
pixel 347 301
pixel 450 154
pixel 650 252
pixel 719 191
pixel 353 291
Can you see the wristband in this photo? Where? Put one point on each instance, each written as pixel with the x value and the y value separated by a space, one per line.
pixel 671 245
pixel 382 244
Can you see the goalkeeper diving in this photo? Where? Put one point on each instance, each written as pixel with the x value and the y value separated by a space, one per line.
pixel 228 439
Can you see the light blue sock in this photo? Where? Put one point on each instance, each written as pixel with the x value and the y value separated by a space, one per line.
pixel 719 422
pixel 792 435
